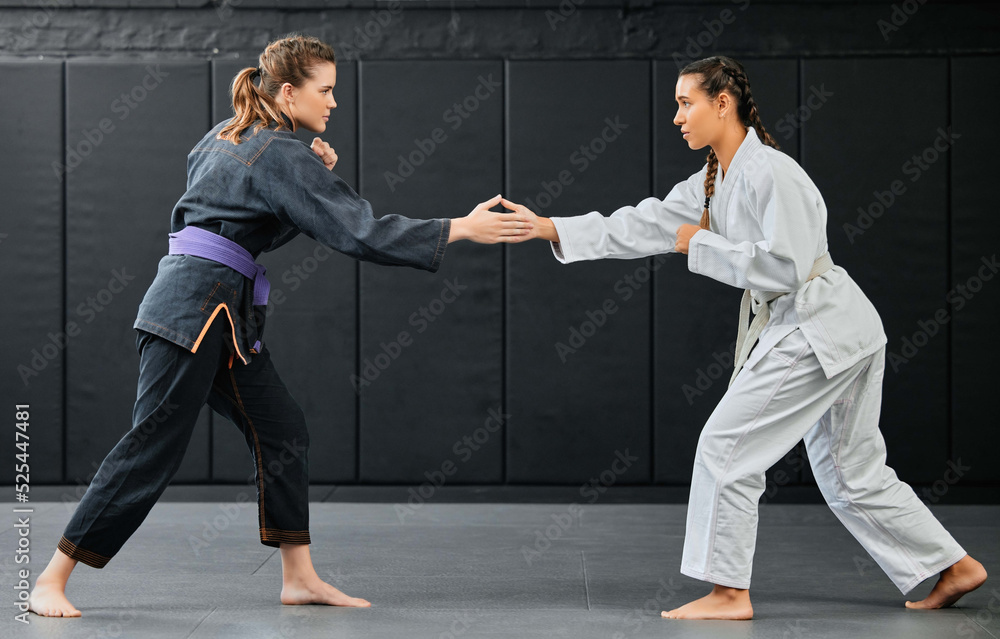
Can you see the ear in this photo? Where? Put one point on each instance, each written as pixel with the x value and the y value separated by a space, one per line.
pixel 724 102
pixel 287 91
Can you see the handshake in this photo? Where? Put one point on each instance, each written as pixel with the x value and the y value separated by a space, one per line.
pixel 481 225
pixel 488 227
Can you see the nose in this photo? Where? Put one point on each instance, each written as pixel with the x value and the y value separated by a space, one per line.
pixel 677 118
pixel 333 103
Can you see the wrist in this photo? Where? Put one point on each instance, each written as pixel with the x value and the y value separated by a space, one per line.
pixel 459 230
pixel 547 229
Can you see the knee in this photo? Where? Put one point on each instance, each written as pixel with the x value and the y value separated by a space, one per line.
pixel 296 435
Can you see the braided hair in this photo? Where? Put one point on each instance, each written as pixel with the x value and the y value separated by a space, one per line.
pixel 718 74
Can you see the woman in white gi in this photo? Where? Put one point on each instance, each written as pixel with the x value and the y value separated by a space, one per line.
pixel 752 218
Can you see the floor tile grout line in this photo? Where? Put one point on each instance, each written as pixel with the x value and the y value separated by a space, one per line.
pixel 210 612
pixel 263 562
pixel 586 587
pixel 973 619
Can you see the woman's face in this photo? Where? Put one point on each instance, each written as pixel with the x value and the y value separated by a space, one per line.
pixel 697 117
pixel 309 106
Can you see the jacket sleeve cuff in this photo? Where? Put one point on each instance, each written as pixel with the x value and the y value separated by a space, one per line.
pixel 562 250
pixel 694 249
pixel 442 245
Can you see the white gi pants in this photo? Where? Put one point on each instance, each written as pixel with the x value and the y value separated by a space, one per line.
pixel 786 397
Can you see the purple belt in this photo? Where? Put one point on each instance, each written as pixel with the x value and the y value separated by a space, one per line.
pixel 198 242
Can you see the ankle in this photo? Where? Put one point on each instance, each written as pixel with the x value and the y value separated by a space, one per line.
pixel 299 578
pixel 50 581
pixel 730 593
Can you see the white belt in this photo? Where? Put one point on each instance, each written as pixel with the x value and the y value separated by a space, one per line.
pixel 746 338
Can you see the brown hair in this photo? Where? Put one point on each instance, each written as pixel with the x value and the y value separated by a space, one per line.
pixel 718 74
pixel 288 59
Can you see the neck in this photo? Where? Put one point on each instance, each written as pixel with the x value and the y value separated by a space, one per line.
pixel 726 148
pixel 283 107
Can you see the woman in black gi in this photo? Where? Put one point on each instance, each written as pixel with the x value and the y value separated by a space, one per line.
pixel 252 186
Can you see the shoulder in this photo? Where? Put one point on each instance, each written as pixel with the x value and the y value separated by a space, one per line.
pixel 770 169
pixel 253 149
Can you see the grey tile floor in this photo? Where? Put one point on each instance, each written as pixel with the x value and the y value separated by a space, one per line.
pixel 196 570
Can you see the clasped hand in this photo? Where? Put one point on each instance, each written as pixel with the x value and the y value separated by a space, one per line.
pixel 489 227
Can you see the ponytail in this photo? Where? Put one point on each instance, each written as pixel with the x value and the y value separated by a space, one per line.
pixel 288 59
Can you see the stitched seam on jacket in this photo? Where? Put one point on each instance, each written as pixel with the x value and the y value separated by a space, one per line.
pixel 820 327
pixel 169 330
pixel 230 153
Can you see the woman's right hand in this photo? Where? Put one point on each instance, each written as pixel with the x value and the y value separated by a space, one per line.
pixel 541 227
pixel 488 227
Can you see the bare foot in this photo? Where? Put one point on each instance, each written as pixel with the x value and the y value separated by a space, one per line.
pixel 962 577
pixel 721 603
pixel 48 599
pixel 317 591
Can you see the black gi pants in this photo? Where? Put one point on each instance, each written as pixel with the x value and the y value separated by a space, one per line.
pixel 173 386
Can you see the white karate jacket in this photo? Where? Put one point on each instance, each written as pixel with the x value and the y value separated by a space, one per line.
pixel 768 226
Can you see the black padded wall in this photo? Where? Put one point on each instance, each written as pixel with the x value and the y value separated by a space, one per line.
pixel 862 162
pixel 430 363
pixel 131 124
pixel 33 339
pixel 510 374
pixel 578 335
pixel 972 303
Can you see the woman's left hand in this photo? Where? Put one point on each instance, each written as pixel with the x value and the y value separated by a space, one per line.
pixel 325 152
pixel 684 234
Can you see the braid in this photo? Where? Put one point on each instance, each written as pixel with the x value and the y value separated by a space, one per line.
pixel 718 74
pixel 749 107
pixel 713 168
